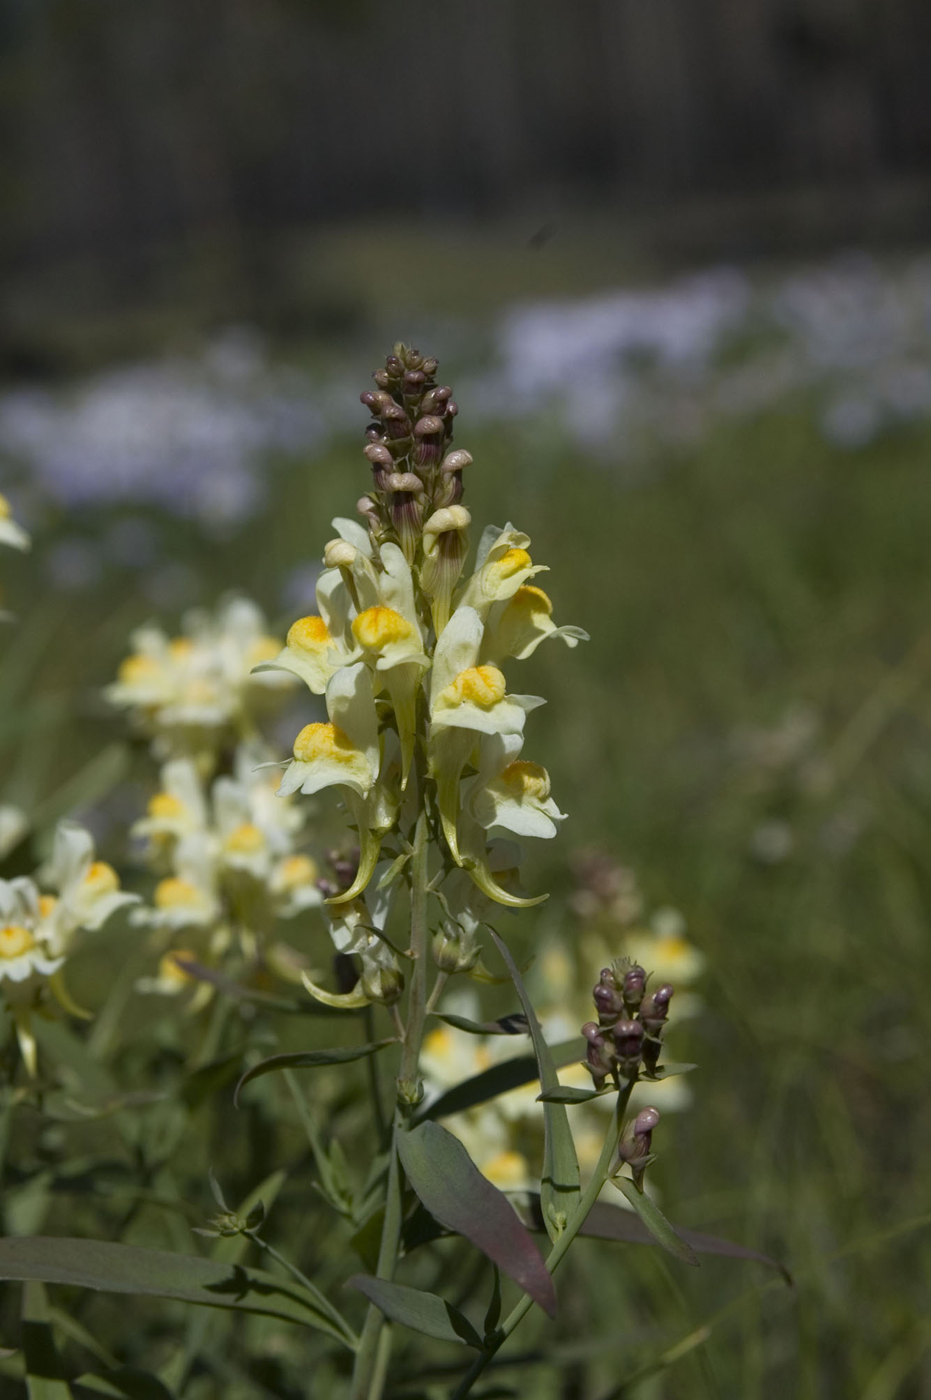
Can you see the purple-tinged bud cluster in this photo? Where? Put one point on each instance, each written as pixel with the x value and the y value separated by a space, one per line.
pixel 414 472
pixel 627 1036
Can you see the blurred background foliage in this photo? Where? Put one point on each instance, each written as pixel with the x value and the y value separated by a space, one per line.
pixel 673 259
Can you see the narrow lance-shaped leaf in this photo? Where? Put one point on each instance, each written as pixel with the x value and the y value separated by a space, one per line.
pixel 310 1059
pixel 514 1024
pixel 607 1222
pixel 560 1184
pixel 116 1268
pixel 453 1190
pixel 499 1079
pixel 656 1222
pixel 422 1312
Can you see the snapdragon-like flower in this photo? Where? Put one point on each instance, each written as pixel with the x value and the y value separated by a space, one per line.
pixel 193 692
pixel 37 931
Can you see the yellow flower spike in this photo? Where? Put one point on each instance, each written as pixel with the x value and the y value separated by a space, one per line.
pixel 340 1001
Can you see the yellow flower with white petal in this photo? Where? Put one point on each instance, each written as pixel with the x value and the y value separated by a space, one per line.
pixel 511 792
pixel 10 533
pixel 189 897
pixel 517 625
pixel 190 691
pixel 344 751
pixel 88 889
pixel 319 644
pixel 176 810
pixel 465 695
pixel 502 566
pixel 392 641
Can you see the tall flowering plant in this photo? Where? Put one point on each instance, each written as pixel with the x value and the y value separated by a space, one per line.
pixel 410 654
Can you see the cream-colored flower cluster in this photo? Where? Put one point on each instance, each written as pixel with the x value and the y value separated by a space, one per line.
pixel 194 693
pixel 228 853
pixel 399 695
pixel 38 930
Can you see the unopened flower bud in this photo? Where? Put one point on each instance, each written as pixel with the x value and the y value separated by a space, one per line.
pixel 368 509
pixel 608 999
pixel 636 1149
pixel 599 1054
pixel 455 461
pixel 393 366
pixel 339 554
pixel 406 509
pixel 430 366
pixel 397 423
pixel 379 456
pixel 382 984
pixel 452 409
pixel 414 380
pixel 429 433
pixel 445 545
pixel 628 1045
pixel 453 951
pixel 654 1009
pixel 633 987
pixel 382 378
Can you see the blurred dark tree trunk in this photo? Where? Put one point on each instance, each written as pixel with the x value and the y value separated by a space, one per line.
pixel 125 124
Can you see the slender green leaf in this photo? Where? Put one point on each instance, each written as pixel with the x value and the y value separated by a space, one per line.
pixel 515 1024
pixel 607 1222
pixel 667 1071
pixel 422 1312
pixel 311 1059
pixel 499 1079
pixel 45 1376
pixel 453 1190
pixel 566 1094
pixel 656 1222
pixel 559 1190
pixel 157 1273
pixel 129 1382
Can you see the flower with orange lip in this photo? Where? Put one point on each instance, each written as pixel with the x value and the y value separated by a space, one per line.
pixel 502 566
pixel 517 625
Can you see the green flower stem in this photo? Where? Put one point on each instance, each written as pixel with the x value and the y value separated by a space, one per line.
pixel 352 1341
pixel 372 1358
pixel 408 1076
pixel 554 1258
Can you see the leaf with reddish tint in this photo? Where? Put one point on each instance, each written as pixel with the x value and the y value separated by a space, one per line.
pixel 454 1191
